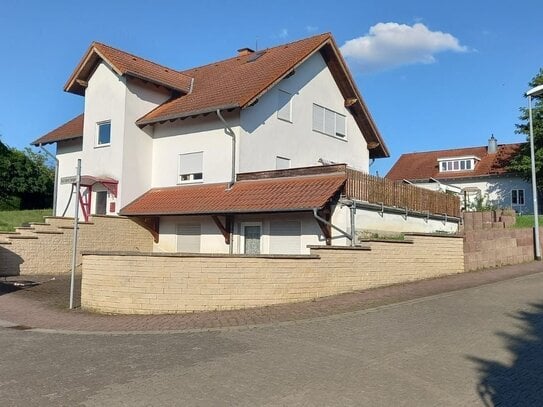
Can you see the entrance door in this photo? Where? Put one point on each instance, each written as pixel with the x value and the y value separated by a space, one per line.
pixel 251 238
pixel 101 203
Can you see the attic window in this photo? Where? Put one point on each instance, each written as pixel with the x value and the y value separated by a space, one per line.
pixel 457 164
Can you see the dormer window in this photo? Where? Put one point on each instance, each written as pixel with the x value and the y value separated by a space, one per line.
pixel 457 164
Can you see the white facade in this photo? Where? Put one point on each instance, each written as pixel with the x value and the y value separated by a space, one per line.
pixel 68 152
pixel 496 190
pixel 146 158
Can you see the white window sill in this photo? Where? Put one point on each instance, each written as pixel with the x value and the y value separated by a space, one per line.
pixel 189 182
pixel 102 145
pixel 332 136
pixel 284 120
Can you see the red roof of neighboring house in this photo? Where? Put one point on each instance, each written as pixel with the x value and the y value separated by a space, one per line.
pixel 250 196
pixel 125 64
pixel 424 165
pixel 69 130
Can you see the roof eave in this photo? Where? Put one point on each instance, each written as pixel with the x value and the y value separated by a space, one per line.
pixel 142 122
pixel 37 142
pixel 235 211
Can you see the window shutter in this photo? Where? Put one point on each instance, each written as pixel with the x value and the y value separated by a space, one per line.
pixel 282 163
pixel 191 163
pixel 329 122
pixel 285 237
pixel 188 238
pixel 318 118
pixel 340 125
pixel 284 110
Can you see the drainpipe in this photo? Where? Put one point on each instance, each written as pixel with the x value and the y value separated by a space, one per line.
pixel 347 235
pixel 56 177
pixel 228 130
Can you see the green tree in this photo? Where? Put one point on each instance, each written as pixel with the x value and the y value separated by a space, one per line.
pixel 27 176
pixel 521 163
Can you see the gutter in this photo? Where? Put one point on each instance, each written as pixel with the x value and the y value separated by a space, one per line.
pixel 228 130
pixel 56 177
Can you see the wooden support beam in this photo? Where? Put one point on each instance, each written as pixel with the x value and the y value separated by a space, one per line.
pixel 350 101
pixel 81 82
pixel 225 229
pixel 151 223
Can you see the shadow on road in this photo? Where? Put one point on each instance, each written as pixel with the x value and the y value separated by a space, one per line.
pixel 521 382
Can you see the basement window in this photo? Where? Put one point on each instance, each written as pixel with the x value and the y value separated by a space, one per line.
pixel 191 167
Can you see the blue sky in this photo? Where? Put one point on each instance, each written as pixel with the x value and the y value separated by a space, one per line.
pixel 434 75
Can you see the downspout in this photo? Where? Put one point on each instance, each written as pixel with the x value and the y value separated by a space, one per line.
pixel 347 235
pixel 56 177
pixel 228 130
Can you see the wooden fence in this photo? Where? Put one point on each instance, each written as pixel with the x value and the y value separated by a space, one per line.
pixel 377 190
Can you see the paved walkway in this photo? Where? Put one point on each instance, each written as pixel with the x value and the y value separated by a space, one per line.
pixel 45 306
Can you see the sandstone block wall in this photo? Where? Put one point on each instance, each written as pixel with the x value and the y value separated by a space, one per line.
pixel 47 248
pixel 498 247
pixel 155 283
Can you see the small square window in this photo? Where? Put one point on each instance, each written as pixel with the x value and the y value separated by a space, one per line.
pixel 104 133
pixel 191 167
pixel 517 197
pixel 282 163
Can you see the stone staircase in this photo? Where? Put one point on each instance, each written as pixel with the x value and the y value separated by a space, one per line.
pixel 46 247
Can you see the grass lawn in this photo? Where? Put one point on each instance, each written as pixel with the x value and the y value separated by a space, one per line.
pixel 527 221
pixel 9 220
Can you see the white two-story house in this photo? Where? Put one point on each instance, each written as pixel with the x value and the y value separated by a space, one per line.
pixel 236 156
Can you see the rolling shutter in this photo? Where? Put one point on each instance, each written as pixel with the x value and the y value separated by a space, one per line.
pixel 285 237
pixel 188 238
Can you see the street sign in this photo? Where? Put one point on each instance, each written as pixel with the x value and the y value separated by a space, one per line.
pixel 68 180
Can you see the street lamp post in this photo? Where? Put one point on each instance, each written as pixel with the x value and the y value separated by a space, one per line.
pixel 537 91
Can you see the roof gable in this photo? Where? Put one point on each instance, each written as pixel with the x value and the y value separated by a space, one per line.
pixel 125 64
pixel 424 165
pixel 70 130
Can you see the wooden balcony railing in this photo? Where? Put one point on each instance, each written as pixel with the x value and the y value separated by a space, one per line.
pixel 377 190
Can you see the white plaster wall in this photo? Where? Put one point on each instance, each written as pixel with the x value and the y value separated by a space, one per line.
pixel 391 222
pixel 264 136
pixel 105 99
pixel 67 154
pixel 137 162
pixel 205 134
pixel 212 241
pixel 496 189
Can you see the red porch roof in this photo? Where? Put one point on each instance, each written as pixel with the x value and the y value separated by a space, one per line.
pixel 287 194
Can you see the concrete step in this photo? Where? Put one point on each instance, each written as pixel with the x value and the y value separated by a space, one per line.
pixel 59 221
pixel 25 230
pixel 39 227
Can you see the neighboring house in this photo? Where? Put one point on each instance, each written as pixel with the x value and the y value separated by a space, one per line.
pixel 194 154
pixel 473 173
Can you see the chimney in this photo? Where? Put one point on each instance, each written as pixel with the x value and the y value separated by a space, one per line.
pixel 492 145
pixel 245 51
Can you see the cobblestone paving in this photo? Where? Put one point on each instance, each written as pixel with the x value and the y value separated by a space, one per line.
pixel 473 347
pixel 45 305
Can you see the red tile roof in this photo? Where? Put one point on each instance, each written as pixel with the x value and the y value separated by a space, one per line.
pixel 69 130
pixel 264 195
pixel 232 83
pixel 424 165
pixel 237 81
pixel 125 64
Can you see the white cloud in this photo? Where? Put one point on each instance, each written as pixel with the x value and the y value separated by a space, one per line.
pixel 388 45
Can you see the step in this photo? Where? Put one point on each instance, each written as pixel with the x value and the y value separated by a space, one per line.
pixel 25 230
pixel 38 227
pixel 59 221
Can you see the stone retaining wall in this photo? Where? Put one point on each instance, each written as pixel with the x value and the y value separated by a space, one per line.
pixel 152 283
pixel 498 247
pixel 46 248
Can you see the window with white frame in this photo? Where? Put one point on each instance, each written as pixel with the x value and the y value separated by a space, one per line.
pixel 284 105
pixel 517 197
pixel 282 163
pixel 328 122
pixel 103 133
pixel 458 164
pixel 191 167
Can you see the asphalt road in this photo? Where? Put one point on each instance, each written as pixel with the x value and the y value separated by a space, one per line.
pixel 465 348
